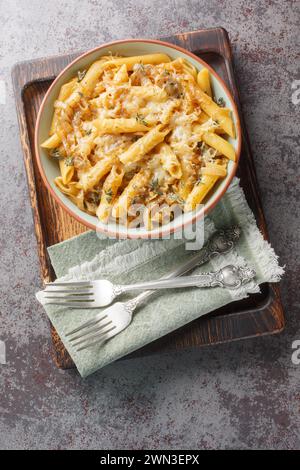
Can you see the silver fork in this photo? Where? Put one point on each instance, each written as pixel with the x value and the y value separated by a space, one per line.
pixel 117 317
pixel 99 293
pixel 102 326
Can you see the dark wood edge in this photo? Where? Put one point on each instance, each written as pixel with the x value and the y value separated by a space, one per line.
pixel 26 72
pixel 36 73
pixel 18 86
pixel 234 87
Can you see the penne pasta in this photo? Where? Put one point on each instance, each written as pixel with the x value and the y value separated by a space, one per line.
pixel 139 131
pixel 97 68
pixel 130 62
pixel 186 181
pixel 67 172
pixel 225 111
pixel 109 191
pixel 74 98
pixel 189 68
pixel 199 192
pixel 215 112
pixel 212 169
pixel 169 160
pixel 206 123
pixel 183 65
pixel 220 144
pixel 203 118
pixel 119 125
pixel 90 178
pixel 121 75
pixel 137 184
pixel 185 187
pixel 69 188
pixel 52 142
pixel 85 146
pixel 142 146
pixel 203 80
pixel 65 91
pixel 155 93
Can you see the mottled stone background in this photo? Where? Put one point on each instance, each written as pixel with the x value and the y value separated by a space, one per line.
pixel 238 395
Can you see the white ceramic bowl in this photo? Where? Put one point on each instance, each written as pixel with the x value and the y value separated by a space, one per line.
pixel 49 169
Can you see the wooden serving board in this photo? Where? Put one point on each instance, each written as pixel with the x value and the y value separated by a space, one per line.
pixel 258 315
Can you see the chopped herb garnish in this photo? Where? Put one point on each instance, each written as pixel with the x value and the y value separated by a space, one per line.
pixel 88 131
pixel 220 102
pixel 141 119
pixel 176 197
pixel 69 161
pixel 55 153
pixel 154 186
pixel 109 195
pixel 80 75
pixel 95 197
pixel 80 94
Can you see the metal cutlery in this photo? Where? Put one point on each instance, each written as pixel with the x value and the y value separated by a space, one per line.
pixel 99 293
pixel 117 317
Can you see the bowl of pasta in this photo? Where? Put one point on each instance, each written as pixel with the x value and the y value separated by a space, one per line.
pixel 137 138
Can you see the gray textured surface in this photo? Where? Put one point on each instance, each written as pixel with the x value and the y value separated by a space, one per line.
pixel 239 395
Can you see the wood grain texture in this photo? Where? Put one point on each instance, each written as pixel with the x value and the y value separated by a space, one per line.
pixel 258 315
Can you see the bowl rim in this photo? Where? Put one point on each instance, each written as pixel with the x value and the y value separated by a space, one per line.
pixel 161 232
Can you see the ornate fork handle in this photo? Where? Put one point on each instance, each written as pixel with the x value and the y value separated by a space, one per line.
pixel 221 242
pixel 230 277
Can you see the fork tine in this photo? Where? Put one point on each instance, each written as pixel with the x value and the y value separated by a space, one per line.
pixel 91 322
pixel 70 284
pixel 71 297
pixel 97 334
pixel 68 291
pixel 90 330
pixel 105 338
pixel 72 304
pixel 97 341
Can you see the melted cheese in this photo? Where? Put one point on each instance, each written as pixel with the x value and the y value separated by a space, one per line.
pixel 157 96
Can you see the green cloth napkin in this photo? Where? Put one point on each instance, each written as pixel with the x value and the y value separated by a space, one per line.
pixel 92 256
